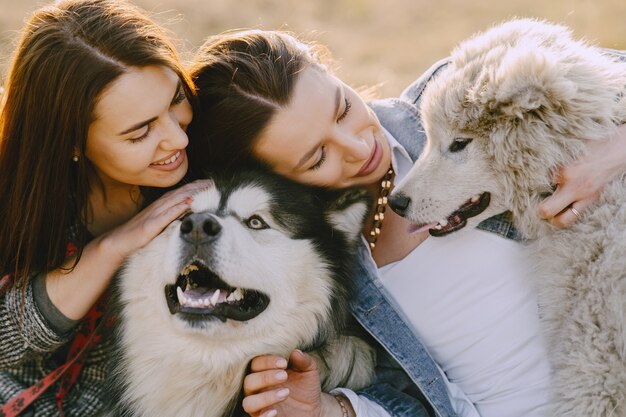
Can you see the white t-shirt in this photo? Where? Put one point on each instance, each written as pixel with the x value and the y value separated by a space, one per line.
pixel 468 296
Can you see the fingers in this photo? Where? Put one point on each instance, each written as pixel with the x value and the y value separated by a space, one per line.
pixel 256 403
pixel 265 362
pixel 301 361
pixel 187 190
pixel 175 203
pixel 568 217
pixel 562 197
pixel 266 371
pixel 258 381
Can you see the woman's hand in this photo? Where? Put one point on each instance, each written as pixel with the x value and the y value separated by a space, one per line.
pixel 104 255
pixel 276 388
pixel 148 223
pixel 579 184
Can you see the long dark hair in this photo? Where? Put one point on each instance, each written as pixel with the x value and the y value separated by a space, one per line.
pixel 68 53
pixel 242 78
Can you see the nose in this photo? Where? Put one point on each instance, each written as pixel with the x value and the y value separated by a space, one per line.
pixel 175 136
pixel 399 203
pixel 354 146
pixel 199 228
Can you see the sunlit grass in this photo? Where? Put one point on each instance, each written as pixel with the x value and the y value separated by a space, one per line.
pixel 387 42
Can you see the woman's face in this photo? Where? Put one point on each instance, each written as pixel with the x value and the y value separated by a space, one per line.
pixel 326 135
pixel 138 134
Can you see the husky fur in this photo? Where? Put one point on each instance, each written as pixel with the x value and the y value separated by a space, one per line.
pixel 290 248
pixel 511 106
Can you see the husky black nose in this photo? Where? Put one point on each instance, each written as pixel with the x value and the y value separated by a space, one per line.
pixel 200 228
pixel 399 203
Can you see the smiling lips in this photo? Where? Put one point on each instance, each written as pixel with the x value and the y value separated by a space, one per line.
pixel 374 160
pixel 170 163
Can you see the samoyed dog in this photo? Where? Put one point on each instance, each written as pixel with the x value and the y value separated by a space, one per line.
pixel 512 105
pixel 261 265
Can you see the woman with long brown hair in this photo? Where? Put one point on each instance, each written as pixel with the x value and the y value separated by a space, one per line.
pixel 456 319
pixel 95 107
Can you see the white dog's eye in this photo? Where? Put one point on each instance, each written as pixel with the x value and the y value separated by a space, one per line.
pixel 459 144
pixel 256 222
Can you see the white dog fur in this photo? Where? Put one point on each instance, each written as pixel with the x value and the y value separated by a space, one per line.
pixel 169 367
pixel 520 100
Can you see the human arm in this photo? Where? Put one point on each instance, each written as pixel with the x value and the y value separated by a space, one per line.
pixel 41 317
pixel 579 184
pixel 105 254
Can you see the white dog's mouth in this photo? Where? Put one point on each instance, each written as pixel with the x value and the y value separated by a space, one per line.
pixel 199 294
pixel 458 219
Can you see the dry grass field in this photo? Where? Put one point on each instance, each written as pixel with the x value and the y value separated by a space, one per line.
pixel 375 42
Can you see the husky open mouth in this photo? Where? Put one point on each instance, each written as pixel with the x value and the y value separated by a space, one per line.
pixel 458 219
pixel 201 294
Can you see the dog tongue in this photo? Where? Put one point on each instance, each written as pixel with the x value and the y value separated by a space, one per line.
pixel 201 293
pixel 416 228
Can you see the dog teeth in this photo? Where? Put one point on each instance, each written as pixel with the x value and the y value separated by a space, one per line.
pixel 212 301
pixel 181 296
pixel 236 295
pixel 215 297
pixel 438 227
pixel 443 222
pixel 475 198
pixel 188 269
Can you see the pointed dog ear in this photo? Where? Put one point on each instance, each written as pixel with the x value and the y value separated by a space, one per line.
pixel 348 211
pixel 525 80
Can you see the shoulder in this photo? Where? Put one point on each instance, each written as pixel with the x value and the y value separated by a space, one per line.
pixel 413 92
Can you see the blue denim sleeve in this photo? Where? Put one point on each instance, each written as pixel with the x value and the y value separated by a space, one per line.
pixel 394 391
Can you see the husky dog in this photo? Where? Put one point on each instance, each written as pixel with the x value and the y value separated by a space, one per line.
pixel 511 106
pixel 261 265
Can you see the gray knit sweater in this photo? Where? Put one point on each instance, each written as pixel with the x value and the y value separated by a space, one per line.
pixel 34 339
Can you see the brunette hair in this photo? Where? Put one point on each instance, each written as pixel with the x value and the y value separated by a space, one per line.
pixel 242 79
pixel 68 53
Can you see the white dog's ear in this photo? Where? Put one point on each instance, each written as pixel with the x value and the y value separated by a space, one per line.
pixel 527 79
pixel 348 211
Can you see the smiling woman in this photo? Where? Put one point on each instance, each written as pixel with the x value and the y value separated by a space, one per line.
pixel 95 108
pixel 266 96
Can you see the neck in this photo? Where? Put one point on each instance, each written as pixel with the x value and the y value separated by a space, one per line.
pixel 111 206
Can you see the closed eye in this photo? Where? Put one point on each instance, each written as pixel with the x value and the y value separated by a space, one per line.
pixel 346 109
pixel 459 144
pixel 319 161
pixel 143 136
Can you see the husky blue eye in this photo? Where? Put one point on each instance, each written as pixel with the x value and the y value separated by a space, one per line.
pixel 459 144
pixel 256 222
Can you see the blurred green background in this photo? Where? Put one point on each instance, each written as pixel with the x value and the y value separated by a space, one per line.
pixel 383 43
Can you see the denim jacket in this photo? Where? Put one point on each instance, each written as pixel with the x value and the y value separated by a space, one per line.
pixel 408 382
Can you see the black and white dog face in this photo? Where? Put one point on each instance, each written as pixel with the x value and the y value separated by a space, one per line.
pixel 256 249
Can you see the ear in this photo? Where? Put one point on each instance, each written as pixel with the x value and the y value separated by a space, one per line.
pixel 348 211
pixel 526 79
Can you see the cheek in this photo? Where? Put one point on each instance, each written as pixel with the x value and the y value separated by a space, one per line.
pixel 184 114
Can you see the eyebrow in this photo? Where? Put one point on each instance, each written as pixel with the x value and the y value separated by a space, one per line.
pixel 312 151
pixel 152 119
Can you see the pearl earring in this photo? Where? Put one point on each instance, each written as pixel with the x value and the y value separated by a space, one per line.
pixel 75 158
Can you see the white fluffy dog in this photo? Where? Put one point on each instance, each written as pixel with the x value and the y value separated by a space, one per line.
pixel 512 105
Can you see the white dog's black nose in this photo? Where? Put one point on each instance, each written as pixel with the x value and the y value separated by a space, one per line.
pixel 200 228
pixel 399 203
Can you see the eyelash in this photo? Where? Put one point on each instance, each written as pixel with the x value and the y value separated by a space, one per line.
pixel 321 160
pixel 180 97
pixel 142 137
pixel 323 156
pixel 346 111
